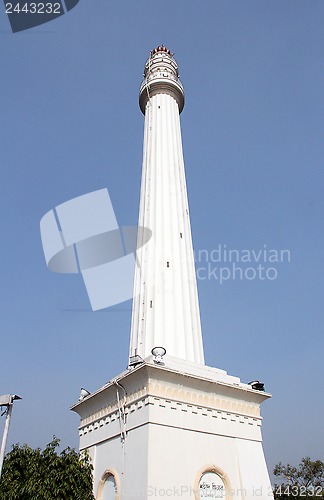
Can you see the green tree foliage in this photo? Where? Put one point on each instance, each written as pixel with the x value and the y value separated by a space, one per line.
pixel 29 474
pixel 304 481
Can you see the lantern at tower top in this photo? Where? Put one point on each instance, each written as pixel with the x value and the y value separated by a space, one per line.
pixel 161 76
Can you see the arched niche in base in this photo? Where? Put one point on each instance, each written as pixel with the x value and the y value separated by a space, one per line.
pixel 109 486
pixel 212 482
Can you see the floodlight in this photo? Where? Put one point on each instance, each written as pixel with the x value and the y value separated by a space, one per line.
pixel 158 353
pixel 135 360
pixel 84 394
pixel 5 400
pixel 8 399
pixel 257 385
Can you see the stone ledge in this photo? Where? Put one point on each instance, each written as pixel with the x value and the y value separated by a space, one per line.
pixel 98 421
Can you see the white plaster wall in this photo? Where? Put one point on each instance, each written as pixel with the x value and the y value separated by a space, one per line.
pixel 128 460
pixel 162 455
pixel 199 419
pixel 177 424
pixel 242 461
pixel 165 305
pixel 253 470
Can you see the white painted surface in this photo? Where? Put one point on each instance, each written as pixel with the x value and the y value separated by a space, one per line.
pixel 165 305
pixel 178 426
pixel 183 420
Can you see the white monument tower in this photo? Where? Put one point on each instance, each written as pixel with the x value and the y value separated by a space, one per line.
pixel 165 306
pixel 169 426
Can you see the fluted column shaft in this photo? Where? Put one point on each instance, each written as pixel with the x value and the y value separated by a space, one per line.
pixel 165 305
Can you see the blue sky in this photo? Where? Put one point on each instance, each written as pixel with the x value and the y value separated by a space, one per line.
pixel 253 145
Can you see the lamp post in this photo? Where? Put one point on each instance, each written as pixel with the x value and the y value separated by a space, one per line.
pixel 7 401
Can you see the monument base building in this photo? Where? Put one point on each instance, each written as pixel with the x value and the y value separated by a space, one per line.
pixel 175 430
pixel 169 426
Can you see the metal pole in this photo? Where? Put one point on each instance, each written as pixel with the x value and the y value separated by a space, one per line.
pixel 5 435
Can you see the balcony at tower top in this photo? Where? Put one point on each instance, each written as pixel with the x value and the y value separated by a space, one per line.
pixel 161 75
